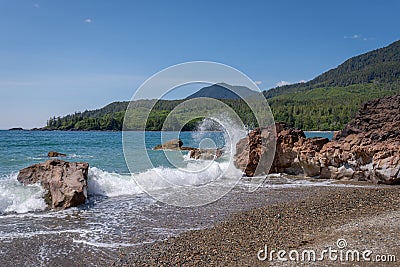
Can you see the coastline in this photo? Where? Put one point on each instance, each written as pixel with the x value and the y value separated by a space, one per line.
pixel 367 217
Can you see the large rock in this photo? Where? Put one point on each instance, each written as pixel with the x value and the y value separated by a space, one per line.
pixel 174 144
pixel 195 153
pixel 65 182
pixel 367 149
pixel 205 154
pixel 255 153
pixel 53 154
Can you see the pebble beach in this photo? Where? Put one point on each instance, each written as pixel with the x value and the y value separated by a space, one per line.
pixel 365 217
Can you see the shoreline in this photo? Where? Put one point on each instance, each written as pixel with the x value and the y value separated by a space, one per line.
pixel 315 221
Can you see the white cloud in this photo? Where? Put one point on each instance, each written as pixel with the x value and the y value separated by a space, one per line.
pixel 282 83
pixel 368 38
pixel 354 36
pixel 359 37
pixel 88 20
pixel 258 82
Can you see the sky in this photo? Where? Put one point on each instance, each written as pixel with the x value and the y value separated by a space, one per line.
pixel 58 57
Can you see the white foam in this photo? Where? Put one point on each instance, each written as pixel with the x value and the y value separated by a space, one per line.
pixel 108 245
pixel 14 235
pixel 110 184
pixel 15 197
pixel 196 173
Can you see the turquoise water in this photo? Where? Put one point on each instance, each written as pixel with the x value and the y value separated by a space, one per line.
pixel 103 150
pixel 108 173
pixel 328 135
pixel 19 149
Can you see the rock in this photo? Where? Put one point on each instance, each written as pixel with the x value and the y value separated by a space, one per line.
pixel 65 182
pixel 367 149
pixel 251 156
pixel 53 154
pixel 174 144
pixel 195 153
pixel 16 129
pixel 255 152
pixel 205 154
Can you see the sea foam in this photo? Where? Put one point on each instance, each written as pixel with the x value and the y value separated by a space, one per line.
pixel 17 198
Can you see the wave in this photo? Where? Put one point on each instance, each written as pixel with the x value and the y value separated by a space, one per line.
pixel 17 198
pixel 103 183
pixel 197 173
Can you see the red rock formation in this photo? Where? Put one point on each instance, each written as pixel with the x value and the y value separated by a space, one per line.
pixel 368 148
pixel 64 182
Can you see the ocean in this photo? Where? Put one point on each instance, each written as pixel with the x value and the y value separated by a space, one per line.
pixel 118 214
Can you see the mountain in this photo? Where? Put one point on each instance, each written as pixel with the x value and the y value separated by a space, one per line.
pixel 380 66
pixel 331 100
pixel 327 102
pixel 223 91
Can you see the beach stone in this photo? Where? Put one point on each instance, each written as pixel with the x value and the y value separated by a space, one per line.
pixel 53 154
pixel 367 149
pixel 65 182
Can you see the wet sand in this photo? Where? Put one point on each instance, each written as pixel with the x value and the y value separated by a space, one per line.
pixel 365 217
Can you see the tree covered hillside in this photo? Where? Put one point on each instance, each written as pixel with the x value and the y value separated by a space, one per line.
pixel 327 102
pixel 380 66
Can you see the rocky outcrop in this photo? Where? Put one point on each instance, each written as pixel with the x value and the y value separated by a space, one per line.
pixel 255 152
pixel 195 153
pixel 174 144
pixel 65 182
pixel 205 154
pixel 367 149
pixel 54 154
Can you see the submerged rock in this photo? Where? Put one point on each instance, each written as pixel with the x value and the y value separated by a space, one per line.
pixel 367 149
pixel 174 144
pixel 205 154
pixel 195 153
pixel 65 182
pixel 53 154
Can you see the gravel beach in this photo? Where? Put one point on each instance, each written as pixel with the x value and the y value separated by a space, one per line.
pixel 366 218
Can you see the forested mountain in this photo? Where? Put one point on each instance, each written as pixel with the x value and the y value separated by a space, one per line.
pixel 158 111
pixel 380 66
pixel 223 91
pixel 327 102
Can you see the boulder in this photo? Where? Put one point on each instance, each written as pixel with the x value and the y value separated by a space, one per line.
pixel 65 182
pixel 195 153
pixel 54 154
pixel 367 149
pixel 205 154
pixel 255 153
pixel 174 144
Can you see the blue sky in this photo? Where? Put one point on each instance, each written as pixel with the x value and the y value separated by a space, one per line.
pixel 58 57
